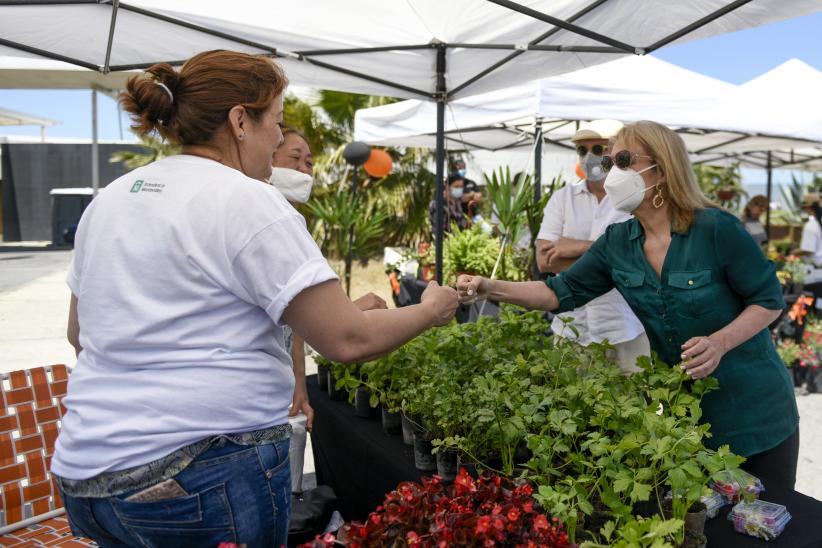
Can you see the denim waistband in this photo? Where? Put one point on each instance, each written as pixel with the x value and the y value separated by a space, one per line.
pixel 118 482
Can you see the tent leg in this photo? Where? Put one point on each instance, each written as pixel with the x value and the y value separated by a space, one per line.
pixel 349 256
pixel 537 190
pixel 440 186
pixel 770 193
pixel 95 150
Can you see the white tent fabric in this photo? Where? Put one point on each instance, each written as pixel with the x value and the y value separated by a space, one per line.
pixel 26 73
pixel 629 89
pixel 783 101
pixel 395 40
pixel 14 118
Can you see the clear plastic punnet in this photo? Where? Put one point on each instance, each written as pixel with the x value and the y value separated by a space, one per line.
pixel 737 485
pixel 759 519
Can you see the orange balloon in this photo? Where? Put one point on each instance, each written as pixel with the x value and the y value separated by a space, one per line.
pixel 579 171
pixel 379 163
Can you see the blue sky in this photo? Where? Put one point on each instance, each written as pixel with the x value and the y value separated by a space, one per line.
pixel 735 57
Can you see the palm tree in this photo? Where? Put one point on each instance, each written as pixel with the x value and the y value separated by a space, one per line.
pixel 156 149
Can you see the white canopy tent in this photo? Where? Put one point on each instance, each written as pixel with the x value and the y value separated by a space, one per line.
pixel 427 48
pixel 13 118
pixel 782 101
pixel 627 89
pixel 32 73
pixel 713 117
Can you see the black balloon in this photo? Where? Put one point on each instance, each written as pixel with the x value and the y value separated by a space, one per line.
pixel 356 153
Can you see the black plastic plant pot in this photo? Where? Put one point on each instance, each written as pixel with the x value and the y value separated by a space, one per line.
pixel 391 422
pixel 407 430
pixel 424 461
pixel 322 377
pixel 447 464
pixel 695 518
pixel 333 393
pixel 362 408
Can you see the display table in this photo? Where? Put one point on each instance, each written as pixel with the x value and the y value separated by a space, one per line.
pixel 362 464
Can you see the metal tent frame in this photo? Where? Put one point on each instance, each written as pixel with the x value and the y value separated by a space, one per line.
pixel 441 93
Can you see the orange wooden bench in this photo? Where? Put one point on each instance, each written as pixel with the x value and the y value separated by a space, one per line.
pixel 31 408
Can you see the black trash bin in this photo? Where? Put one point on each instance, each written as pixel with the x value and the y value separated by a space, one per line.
pixel 67 206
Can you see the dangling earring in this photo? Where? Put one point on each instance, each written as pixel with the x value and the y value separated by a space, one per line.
pixel 658 200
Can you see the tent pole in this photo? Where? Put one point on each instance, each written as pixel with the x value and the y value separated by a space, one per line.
pixel 349 256
pixel 770 193
pixel 95 151
pixel 538 161
pixel 440 186
pixel 537 188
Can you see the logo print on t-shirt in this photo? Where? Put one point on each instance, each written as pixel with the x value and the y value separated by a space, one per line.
pixel 137 185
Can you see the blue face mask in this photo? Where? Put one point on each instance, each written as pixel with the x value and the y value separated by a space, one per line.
pixel 456 193
pixel 461 172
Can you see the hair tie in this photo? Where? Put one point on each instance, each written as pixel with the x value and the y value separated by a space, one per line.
pixel 165 87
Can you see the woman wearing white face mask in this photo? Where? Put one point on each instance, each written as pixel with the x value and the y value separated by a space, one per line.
pixel 292 173
pixel 699 284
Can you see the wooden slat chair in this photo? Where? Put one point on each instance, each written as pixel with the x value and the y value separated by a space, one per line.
pixel 31 408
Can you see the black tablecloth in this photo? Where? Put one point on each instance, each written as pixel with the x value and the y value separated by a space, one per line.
pixel 362 464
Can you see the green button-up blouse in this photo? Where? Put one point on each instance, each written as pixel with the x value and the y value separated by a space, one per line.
pixel 710 274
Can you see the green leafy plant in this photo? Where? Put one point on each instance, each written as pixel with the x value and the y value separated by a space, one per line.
pixel 156 149
pixel 722 185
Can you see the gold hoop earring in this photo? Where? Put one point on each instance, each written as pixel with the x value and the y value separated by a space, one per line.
pixel 658 200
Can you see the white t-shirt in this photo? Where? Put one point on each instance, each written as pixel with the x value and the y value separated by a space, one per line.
pixel 182 270
pixel 574 212
pixel 812 240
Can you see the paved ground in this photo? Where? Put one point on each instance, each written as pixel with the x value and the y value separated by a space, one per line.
pixel 34 306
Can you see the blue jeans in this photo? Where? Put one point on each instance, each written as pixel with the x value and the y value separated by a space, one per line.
pixel 236 493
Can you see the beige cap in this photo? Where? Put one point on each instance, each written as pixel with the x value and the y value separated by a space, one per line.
pixel 810 199
pixel 597 129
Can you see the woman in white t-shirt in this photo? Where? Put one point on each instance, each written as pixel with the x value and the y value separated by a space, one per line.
pixel 184 273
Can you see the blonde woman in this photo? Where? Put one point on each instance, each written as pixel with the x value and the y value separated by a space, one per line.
pixel 700 286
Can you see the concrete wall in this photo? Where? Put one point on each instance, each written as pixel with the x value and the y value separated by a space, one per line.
pixel 30 170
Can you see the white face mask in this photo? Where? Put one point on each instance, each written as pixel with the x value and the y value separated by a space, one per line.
pixel 626 188
pixel 293 184
pixel 456 193
pixel 591 166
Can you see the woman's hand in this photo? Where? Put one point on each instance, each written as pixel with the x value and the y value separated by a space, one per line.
pixel 701 355
pixel 471 288
pixel 300 405
pixel 443 301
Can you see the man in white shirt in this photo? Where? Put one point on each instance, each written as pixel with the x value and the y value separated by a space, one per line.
pixel 574 217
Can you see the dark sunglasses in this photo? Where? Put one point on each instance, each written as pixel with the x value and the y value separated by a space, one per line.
pixel 622 159
pixel 596 150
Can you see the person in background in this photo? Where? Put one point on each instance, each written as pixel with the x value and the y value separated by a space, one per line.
pixel 292 173
pixel 184 273
pixel 811 244
pixel 470 187
pixel 750 218
pixel 574 217
pixel 453 211
pixel 703 289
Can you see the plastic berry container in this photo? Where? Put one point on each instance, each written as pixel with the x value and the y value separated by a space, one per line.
pixel 760 519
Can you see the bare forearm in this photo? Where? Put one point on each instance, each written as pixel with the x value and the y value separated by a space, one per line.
pixel 559 265
pixel 384 330
pixel 535 295
pixel 751 321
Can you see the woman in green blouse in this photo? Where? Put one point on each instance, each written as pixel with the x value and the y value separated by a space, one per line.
pixel 698 283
